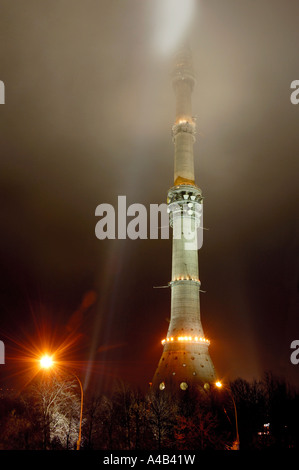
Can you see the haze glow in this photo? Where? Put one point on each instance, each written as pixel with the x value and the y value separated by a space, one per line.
pixel 172 21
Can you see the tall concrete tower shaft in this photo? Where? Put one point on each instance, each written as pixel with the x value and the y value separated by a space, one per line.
pixel 185 359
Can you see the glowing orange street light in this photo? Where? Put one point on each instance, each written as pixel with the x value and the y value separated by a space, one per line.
pixel 46 362
pixel 237 441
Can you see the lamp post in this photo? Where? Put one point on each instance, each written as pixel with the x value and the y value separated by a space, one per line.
pixel 236 445
pixel 46 362
pixel 81 412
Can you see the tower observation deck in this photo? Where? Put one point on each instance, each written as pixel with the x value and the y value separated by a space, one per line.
pixel 185 359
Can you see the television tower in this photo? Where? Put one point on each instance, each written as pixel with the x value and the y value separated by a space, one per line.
pixel 185 359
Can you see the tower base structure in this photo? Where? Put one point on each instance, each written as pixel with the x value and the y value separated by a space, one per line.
pixel 185 363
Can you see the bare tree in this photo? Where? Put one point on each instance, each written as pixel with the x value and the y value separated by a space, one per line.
pixel 118 421
pixel 92 420
pixel 56 399
pixel 162 416
pixel 199 432
pixel 108 423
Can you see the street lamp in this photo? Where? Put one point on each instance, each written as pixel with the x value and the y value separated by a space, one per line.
pixel 236 445
pixel 46 362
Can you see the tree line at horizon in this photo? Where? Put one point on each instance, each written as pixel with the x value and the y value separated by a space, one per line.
pixel 45 415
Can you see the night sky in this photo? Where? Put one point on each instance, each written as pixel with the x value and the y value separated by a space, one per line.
pixel 88 115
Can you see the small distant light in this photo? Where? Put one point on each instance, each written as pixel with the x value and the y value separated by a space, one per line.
pixel 183 386
pixel 218 384
pixel 162 386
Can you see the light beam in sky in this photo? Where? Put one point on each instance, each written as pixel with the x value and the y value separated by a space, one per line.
pixel 172 20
